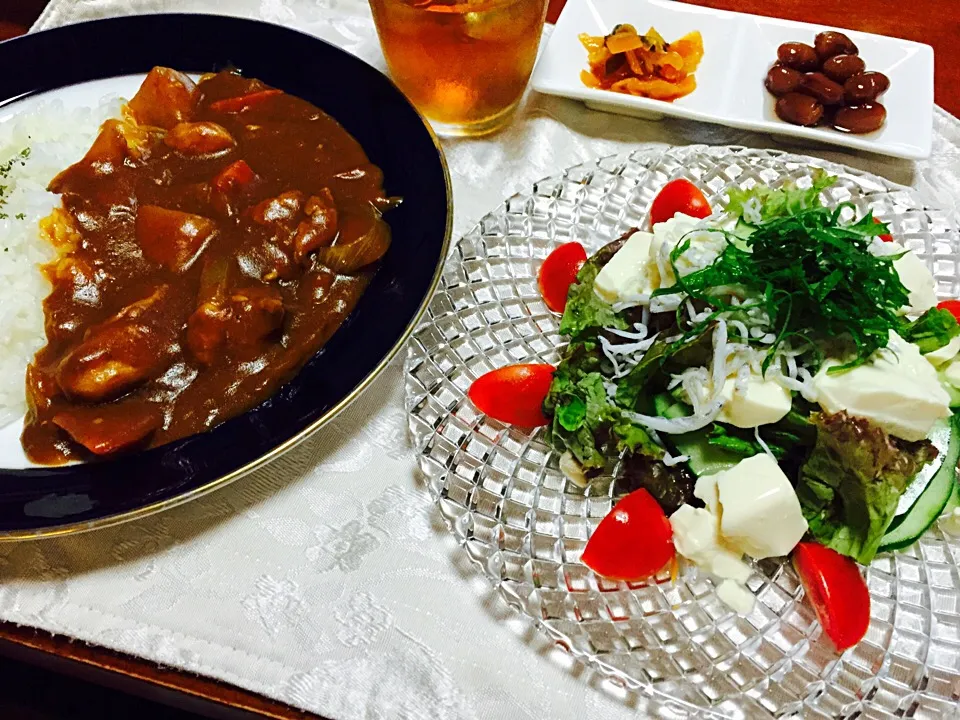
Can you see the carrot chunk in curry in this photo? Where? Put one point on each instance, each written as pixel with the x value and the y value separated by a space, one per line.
pixel 209 243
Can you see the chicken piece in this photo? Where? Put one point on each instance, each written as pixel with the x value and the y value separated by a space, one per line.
pixel 320 227
pixel 75 295
pixel 110 428
pixel 256 312
pixel 112 361
pixel 281 211
pixel 241 318
pixel 172 238
pixel 119 354
pixel 264 260
pixel 164 99
pixel 207 331
pixel 140 308
pixel 199 138
pixel 76 276
pixel 269 227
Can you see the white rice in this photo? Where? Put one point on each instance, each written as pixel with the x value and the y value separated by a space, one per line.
pixel 56 137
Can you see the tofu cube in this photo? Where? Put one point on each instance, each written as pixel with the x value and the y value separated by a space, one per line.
pixel 761 402
pixel 760 513
pixel 626 274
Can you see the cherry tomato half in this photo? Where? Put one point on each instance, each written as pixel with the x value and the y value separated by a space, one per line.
pixel 633 542
pixel 951 306
pixel 559 272
pixel 514 394
pixel 837 592
pixel 886 237
pixel 678 196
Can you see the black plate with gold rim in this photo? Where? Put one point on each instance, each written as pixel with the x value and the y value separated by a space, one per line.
pixel 42 501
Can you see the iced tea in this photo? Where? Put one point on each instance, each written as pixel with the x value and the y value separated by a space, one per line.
pixel 463 64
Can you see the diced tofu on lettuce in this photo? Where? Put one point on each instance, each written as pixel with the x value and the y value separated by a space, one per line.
pixel 589 423
pixel 852 480
pixel 584 421
pixel 586 314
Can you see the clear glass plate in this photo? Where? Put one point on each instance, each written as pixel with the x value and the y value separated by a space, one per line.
pixel 502 494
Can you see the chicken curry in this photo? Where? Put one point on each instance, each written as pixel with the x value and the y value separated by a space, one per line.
pixel 209 243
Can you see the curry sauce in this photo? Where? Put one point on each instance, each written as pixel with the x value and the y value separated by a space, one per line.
pixel 209 243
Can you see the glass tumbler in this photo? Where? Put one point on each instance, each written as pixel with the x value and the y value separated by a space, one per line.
pixel 464 65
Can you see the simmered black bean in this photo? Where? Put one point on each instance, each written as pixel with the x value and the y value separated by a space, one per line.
pixel 830 43
pixel 859 119
pixel 799 109
pixel 864 87
pixel 819 86
pixel 840 67
pixel 827 84
pixel 798 56
pixel 781 80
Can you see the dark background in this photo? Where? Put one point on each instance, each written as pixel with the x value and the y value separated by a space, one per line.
pixel 29 693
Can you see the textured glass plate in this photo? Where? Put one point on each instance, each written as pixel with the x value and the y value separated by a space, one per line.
pixel 502 495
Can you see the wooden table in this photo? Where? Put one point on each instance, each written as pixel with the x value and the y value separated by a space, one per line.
pixel 935 22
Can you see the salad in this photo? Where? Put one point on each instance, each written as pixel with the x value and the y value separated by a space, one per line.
pixel 771 378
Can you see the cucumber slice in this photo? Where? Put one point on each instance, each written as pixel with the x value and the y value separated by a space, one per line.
pixel 932 501
pixel 940 436
pixel 954 502
pixel 705 459
pixel 662 404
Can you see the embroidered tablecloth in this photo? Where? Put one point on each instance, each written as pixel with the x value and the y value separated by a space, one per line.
pixel 327 579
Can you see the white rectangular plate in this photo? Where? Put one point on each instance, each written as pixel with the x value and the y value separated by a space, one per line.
pixel 738 51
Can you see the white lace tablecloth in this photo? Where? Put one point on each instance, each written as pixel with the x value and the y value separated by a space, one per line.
pixel 327 580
